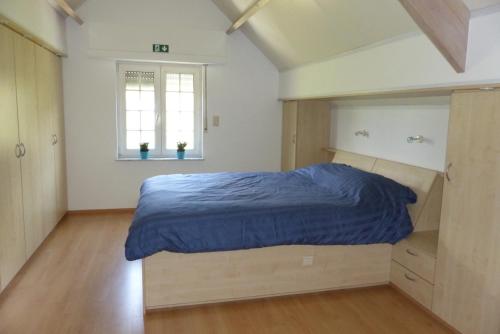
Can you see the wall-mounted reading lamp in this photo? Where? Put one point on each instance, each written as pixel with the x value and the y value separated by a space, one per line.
pixel 415 139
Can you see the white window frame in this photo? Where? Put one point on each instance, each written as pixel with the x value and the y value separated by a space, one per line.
pixel 160 71
pixel 197 72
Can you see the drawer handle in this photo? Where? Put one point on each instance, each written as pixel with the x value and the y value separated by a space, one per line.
pixel 409 278
pixel 410 252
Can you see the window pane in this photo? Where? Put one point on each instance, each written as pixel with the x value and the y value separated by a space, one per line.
pixel 148 81
pixel 140 117
pixel 133 120
pixel 180 127
pixel 187 82
pixel 147 120
pixel 172 121
pixel 186 121
pixel 147 100
pixel 187 101
pixel 133 140
pixel 132 100
pixel 172 102
pixel 172 82
pixel 132 80
pixel 148 137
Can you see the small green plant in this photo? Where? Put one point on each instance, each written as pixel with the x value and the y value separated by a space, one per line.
pixel 181 146
pixel 144 147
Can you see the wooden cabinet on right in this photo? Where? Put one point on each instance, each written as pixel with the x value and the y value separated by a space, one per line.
pixel 467 280
pixel 305 133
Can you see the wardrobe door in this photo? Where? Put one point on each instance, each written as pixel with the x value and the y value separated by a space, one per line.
pixel 12 246
pixel 59 147
pixel 45 93
pixel 29 137
pixel 467 282
pixel 289 135
pixel 313 132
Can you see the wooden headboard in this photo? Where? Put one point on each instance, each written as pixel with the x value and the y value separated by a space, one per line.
pixel 426 183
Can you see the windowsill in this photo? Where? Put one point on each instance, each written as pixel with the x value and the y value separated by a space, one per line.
pixel 159 159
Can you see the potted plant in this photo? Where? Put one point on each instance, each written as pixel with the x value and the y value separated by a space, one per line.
pixel 144 151
pixel 181 149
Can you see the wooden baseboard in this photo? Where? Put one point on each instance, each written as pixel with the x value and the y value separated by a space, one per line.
pixel 425 309
pixel 100 211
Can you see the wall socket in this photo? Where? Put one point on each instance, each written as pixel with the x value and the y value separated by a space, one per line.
pixel 307 260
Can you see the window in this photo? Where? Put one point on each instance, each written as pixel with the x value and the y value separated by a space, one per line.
pixel 160 105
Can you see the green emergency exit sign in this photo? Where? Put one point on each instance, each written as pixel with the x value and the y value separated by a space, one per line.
pixel 163 48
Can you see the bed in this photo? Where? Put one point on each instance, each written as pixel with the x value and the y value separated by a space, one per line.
pixel 195 254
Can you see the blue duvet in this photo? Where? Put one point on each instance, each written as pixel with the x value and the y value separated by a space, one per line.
pixel 325 204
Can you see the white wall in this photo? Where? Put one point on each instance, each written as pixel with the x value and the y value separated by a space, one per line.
pixel 410 62
pixel 390 122
pixel 243 91
pixel 37 17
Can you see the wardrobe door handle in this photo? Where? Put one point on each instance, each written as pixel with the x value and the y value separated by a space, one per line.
pixel 447 172
pixel 23 150
pixel 410 252
pixel 17 151
pixel 409 278
pixel 56 139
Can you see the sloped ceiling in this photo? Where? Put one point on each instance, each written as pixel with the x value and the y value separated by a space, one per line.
pixel 75 4
pixel 296 32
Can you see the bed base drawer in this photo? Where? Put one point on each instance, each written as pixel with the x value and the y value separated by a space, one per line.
pixel 175 280
pixel 414 259
pixel 414 285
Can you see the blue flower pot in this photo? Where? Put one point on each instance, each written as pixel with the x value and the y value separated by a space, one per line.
pixel 180 155
pixel 144 155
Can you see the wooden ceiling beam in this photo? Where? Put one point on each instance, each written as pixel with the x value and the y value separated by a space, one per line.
pixel 254 8
pixel 68 10
pixel 446 23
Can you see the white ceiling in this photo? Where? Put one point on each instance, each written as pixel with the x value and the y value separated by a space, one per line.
pixel 296 32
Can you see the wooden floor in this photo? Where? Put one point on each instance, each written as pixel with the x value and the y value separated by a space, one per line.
pixel 80 282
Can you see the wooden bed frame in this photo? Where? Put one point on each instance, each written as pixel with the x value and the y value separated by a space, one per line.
pixel 176 279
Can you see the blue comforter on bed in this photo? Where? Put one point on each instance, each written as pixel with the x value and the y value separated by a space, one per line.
pixel 325 204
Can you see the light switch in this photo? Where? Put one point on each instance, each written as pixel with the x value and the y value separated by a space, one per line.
pixel 216 120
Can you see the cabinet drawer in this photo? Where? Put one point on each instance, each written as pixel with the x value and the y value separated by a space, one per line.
pixel 414 259
pixel 412 284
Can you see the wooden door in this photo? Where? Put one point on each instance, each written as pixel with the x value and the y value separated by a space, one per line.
pixel 59 147
pixel 29 136
pixel 12 246
pixel 467 282
pixel 46 128
pixel 313 133
pixel 289 135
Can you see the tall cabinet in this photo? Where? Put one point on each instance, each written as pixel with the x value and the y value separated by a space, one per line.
pixel 467 280
pixel 32 159
pixel 12 244
pixel 305 133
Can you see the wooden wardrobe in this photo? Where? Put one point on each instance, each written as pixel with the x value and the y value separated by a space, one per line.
pixel 32 157
pixel 467 279
pixel 305 133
